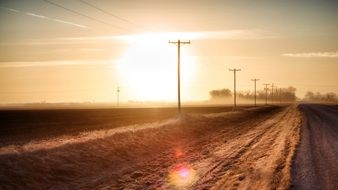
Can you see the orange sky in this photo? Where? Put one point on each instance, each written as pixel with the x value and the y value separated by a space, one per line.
pixel 77 51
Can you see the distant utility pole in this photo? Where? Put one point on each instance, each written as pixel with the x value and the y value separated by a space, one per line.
pixel 255 81
pixel 118 96
pixel 178 43
pixel 272 93
pixel 234 70
pixel 266 93
pixel 280 95
pixel 277 95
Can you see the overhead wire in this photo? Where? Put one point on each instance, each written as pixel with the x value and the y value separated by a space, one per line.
pixel 86 16
pixel 104 11
pixel 110 14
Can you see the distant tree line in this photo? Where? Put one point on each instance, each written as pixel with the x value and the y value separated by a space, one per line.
pixel 318 97
pixel 220 94
pixel 281 94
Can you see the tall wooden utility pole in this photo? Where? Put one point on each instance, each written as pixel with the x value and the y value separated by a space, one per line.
pixel 178 43
pixel 266 93
pixel 234 70
pixel 255 81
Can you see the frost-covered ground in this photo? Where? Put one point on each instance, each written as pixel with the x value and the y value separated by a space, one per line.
pixel 248 149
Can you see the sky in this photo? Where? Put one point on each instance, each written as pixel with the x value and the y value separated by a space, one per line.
pixel 82 50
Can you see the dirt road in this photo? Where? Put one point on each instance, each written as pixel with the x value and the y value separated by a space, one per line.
pixel 316 163
pixel 247 149
pixel 255 153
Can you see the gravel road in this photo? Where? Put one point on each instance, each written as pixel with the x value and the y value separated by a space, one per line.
pixel 316 163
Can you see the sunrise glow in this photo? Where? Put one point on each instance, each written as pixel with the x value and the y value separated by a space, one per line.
pixel 149 66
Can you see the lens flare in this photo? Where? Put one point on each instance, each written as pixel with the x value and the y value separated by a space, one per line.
pixel 178 153
pixel 182 175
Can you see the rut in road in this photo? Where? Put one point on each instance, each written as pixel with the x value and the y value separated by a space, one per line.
pixel 260 159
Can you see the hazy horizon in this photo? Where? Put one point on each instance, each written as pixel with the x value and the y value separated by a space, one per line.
pixel 78 53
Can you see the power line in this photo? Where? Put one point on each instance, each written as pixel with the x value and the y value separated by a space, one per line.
pixel 255 81
pixel 104 11
pixel 234 70
pixel 178 43
pixel 83 15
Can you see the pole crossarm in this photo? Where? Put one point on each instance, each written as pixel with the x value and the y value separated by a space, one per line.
pixel 179 42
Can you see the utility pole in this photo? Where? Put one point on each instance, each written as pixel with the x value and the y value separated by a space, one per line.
pixel 234 70
pixel 266 93
pixel 255 81
pixel 272 93
pixel 118 96
pixel 277 97
pixel 280 95
pixel 178 43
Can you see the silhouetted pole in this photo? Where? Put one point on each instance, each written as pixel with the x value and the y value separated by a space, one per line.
pixel 277 97
pixel 255 81
pixel 118 96
pixel 178 43
pixel 280 95
pixel 272 93
pixel 266 93
pixel 234 70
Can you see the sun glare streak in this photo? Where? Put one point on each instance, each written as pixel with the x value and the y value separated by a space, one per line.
pixel 149 67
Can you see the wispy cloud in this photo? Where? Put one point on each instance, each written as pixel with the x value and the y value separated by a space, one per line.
pixel 249 34
pixel 51 63
pixel 9 9
pixel 253 34
pixel 92 49
pixel 313 55
pixel 45 17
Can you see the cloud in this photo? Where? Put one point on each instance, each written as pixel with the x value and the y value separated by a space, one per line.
pixel 51 63
pixel 35 15
pixel 249 34
pixel 55 20
pixel 92 49
pixel 9 9
pixel 165 36
pixel 253 34
pixel 313 55
pixel 45 17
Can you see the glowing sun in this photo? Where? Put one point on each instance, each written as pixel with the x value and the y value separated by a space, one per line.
pixel 149 67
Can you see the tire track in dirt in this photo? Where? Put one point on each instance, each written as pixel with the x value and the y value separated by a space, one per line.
pixel 154 175
pixel 233 161
pixel 267 163
pixel 203 155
